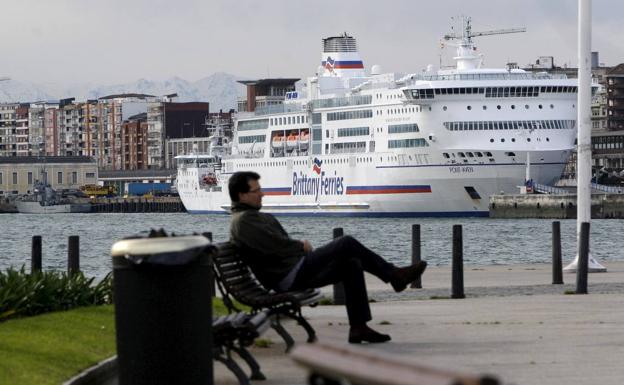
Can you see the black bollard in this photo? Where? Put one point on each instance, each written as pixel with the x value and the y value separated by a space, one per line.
pixel 73 255
pixel 35 256
pixel 212 284
pixel 339 294
pixel 583 260
pixel 457 290
pixel 557 270
pixel 417 284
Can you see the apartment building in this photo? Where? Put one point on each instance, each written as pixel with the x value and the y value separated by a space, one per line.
pixel 170 121
pixel 134 142
pixel 8 141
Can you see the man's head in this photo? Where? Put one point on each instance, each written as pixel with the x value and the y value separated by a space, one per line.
pixel 245 188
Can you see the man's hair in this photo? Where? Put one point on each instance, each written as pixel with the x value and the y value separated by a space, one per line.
pixel 239 183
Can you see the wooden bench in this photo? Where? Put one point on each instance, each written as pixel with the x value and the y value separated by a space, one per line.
pixel 236 282
pixel 233 333
pixel 334 365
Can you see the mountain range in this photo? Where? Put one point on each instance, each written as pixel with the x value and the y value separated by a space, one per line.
pixel 221 90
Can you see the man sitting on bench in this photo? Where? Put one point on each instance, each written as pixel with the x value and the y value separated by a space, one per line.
pixel 282 263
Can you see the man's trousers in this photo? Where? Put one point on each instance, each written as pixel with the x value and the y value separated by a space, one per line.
pixel 344 260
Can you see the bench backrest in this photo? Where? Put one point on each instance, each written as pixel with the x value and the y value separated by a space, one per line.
pixel 235 278
pixel 237 281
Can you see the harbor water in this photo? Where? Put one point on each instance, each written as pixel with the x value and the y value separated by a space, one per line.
pixel 486 241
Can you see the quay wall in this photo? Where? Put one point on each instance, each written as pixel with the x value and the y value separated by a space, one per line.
pixel 138 205
pixel 554 206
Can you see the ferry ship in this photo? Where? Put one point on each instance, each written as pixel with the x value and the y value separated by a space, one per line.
pixel 433 143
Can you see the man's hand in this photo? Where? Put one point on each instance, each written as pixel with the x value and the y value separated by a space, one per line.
pixel 307 246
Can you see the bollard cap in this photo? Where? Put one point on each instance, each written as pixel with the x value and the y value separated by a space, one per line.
pixel 164 251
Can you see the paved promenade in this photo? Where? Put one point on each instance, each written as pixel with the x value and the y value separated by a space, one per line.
pixel 513 324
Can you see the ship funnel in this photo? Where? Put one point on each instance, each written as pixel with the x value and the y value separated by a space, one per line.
pixel 341 58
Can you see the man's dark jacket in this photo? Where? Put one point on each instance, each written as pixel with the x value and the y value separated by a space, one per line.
pixel 264 244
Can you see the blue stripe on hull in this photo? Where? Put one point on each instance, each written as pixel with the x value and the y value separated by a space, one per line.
pixel 450 214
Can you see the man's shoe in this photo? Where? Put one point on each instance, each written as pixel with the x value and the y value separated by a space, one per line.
pixel 366 334
pixel 403 276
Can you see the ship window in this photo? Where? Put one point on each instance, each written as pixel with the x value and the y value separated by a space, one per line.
pixel 446 155
pixel 280 121
pixel 443 91
pixel 479 154
pixel 502 140
pixel 539 106
pixel 526 106
pixel 461 155
pixel 552 106
pixel 470 154
pixel 513 139
pixel 469 108
pixel 498 107
pixel 510 153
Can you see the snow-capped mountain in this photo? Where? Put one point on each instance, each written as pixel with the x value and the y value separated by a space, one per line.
pixel 221 90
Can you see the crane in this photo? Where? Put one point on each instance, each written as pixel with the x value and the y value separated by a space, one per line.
pixel 467 34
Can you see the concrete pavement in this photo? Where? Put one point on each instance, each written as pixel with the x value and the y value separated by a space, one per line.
pixel 513 324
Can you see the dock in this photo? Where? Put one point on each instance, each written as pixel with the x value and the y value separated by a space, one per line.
pixel 554 206
pixel 138 205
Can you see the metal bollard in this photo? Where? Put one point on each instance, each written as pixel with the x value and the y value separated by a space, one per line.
pixel 417 284
pixel 339 293
pixel 457 290
pixel 73 255
pixel 583 260
pixel 35 256
pixel 211 280
pixel 557 270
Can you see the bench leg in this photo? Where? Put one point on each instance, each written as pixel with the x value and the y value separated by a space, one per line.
pixel 308 328
pixel 279 329
pixel 234 368
pixel 243 353
pixel 297 316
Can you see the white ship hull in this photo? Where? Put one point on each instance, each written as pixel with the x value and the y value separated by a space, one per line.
pixel 375 190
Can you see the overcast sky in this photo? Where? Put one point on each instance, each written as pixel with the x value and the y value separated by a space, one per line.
pixel 117 41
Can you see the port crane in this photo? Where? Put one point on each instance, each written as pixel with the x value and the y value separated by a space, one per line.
pixel 467 33
pixel 466 58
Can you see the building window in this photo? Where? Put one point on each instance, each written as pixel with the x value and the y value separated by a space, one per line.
pixel 74 177
pixel 90 175
pixel 30 177
pixel 59 177
pixel 0 178
pixel 14 178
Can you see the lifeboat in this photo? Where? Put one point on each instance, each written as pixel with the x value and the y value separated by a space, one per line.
pixel 209 179
pixel 278 141
pixel 304 139
pixel 292 141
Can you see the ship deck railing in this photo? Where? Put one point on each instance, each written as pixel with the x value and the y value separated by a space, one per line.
pixel 482 76
pixel 608 189
pixel 545 189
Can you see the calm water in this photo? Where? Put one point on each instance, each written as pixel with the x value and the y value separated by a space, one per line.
pixel 486 241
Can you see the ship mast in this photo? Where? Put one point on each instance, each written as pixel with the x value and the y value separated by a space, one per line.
pixel 466 51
